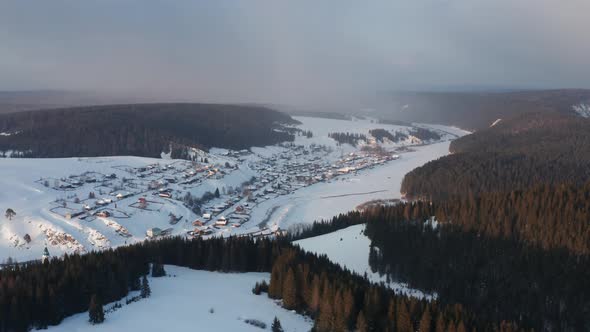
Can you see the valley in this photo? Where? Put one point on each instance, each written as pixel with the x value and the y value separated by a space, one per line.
pixel 105 202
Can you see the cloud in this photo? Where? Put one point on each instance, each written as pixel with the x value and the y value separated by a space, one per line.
pixel 297 52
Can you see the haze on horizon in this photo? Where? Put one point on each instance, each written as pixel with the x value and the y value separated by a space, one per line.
pixel 295 53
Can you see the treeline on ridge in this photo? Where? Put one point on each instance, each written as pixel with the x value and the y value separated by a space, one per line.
pixel 348 138
pixel 532 149
pixel 139 129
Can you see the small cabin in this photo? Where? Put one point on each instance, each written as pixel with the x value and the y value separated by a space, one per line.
pixel 221 221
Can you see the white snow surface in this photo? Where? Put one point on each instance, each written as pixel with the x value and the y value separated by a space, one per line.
pixel 495 122
pixel 582 110
pixel 349 247
pixel 183 302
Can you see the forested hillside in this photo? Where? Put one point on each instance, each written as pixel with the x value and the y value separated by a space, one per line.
pixel 139 129
pixel 503 277
pixel 528 150
pixel 477 110
pixel 43 294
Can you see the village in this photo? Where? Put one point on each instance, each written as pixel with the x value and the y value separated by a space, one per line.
pixel 81 204
pixel 210 196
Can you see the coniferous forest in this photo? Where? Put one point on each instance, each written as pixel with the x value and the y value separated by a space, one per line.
pixel 517 153
pixel 41 294
pixel 140 129
pixel 38 295
pixel 485 281
pixel 502 253
pixel 497 278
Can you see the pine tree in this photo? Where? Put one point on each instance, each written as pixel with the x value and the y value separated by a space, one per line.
pixel 95 311
pixel 361 323
pixel 276 325
pixel 404 323
pixel 440 323
pixel 340 320
pixel 275 289
pixel 325 320
pixel 314 301
pixel 135 284
pixel 145 288
pixel 425 322
pixel 290 291
pixel 461 327
pixel 217 193
pixel 158 270
pixel 391 315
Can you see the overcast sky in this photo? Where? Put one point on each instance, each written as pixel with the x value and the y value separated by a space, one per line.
pixel 295 52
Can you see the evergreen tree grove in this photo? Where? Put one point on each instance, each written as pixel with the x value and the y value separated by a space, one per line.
pixel 95 311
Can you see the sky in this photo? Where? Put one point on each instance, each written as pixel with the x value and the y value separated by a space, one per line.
pixel 292 52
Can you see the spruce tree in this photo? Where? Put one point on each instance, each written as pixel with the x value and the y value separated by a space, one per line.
pixel 314 301
pixel 276 325
pixel 340 320
pixel 275 289
pixel 425 322
pixel 440 323
pixel 145 288
pixel 325 319
pixel 404 323
pixel 135 284
pixel 361 323
pixel 461 327
pixel 158 270
pixel 95 311
pixel 290 291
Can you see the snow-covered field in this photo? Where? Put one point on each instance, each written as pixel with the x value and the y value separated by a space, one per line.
pixel 33 189
pixel 184 302
pixel 349 248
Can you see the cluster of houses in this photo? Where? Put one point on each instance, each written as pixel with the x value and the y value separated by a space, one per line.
pixel 282 174
pixel 292 168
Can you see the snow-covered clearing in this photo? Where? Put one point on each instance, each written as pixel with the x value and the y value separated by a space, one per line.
pixel 184 302
pixel 349 248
